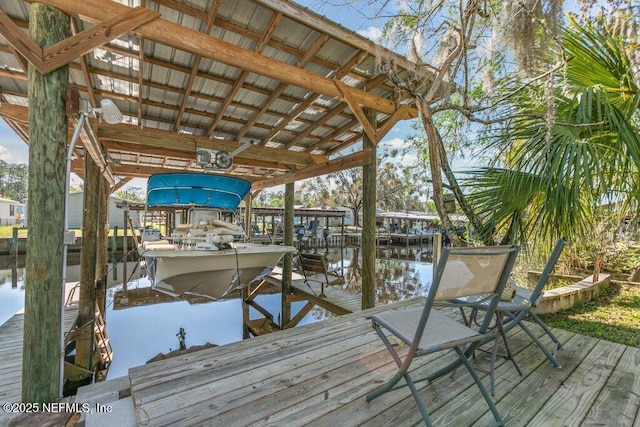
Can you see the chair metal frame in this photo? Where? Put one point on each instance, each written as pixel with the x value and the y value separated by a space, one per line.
pixel 419 328
pixel 510 314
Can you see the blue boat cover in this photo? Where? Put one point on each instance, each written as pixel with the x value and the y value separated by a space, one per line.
pixel 196 189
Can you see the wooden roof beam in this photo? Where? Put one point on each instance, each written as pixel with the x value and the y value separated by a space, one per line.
pixel 358 112
pixel 342 71
pixel 169 140
pixel 84 67
pixel 141 62
pixel 315 48
pixel 180 37
pixel 181 153
pixel 359 158
pixel 246 32
pixel 211 17
pixel 66 51
pixel 275 20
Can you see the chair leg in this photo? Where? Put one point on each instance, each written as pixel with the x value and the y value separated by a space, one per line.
pixel 419 402
pixel 544 349
pixel 384 387
pixel 509 356
pixel 483 390
pixel 546 329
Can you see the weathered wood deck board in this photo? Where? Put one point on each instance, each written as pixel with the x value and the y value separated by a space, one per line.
pixel 572 401
pixel 318 375
pixel 615 401
pixel 11 345
pixel 302 338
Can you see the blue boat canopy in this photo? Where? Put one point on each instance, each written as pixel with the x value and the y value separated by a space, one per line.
pixel 196 189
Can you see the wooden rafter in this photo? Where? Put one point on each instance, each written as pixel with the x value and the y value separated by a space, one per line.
pixel 169 140
pixel 211 17
pixel 357 111
pixel 275 20
pixel 66 51
pixel 141 63
pixel 180 37
pixel 246 32
pixel 85 68
pixel 359 158
pixel 317 45
pixel 310 101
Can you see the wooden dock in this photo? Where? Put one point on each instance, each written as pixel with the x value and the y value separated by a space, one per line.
pixel 11 338
pixel 318 375
pixel 336 300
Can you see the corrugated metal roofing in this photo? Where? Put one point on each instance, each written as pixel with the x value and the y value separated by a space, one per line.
pixel 218 100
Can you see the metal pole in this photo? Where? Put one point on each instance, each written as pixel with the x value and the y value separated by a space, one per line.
pixel 125 245
pixel 68 239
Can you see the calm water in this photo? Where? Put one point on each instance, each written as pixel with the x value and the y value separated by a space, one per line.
pixel 138 333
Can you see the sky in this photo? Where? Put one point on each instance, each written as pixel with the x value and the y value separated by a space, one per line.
pixel 348 14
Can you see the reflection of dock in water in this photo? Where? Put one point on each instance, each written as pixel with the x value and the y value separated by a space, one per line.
pixel 136 297
pixel 147 296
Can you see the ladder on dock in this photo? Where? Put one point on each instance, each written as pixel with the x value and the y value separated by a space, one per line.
pixel 102 346
pixel 102 349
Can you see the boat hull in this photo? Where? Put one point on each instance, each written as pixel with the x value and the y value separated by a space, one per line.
pixel 209 272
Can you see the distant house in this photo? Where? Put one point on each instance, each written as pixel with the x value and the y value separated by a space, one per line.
pixel 115 218
pixel 11 212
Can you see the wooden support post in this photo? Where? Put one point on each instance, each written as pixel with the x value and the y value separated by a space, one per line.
pixel 47 175
pixel 15 242
pixel 369 220
pixel 101 255
pixel 114 252
pixel 88 259
pixel 287 268
pixel 437 250
pixel 248 201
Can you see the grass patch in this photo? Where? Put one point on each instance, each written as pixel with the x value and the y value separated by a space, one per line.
pixel 613 316
pixel 7 231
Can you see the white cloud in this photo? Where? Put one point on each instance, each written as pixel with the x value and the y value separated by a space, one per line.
pixel 372 33
pixel 6 155
pixel 394 143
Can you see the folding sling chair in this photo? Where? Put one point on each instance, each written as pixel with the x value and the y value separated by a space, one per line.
pixel 460 272
pixel 510 314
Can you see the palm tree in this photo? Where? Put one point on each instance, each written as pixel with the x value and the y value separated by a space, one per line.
pixel 572 147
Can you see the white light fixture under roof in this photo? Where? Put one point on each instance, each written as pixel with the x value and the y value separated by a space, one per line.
pixel 108 111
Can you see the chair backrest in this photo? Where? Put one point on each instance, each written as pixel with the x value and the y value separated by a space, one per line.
pixel 472 271
pixel 536 294
pixel 467 271
pixel 312 262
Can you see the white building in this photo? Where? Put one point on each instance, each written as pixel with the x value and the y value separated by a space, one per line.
pixel 115 218
pixel 11 212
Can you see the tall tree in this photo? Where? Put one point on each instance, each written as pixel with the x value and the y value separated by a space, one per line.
pixel 566 159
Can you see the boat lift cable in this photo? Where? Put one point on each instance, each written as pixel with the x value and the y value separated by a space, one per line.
pixel 231 287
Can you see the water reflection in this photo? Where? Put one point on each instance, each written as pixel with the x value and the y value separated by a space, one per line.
pixel 401 273
pixel 140 331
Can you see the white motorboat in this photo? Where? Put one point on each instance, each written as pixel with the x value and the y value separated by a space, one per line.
pixel 204 256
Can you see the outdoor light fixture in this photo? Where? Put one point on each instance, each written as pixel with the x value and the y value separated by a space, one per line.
pixel 108 110
pixel 111 114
